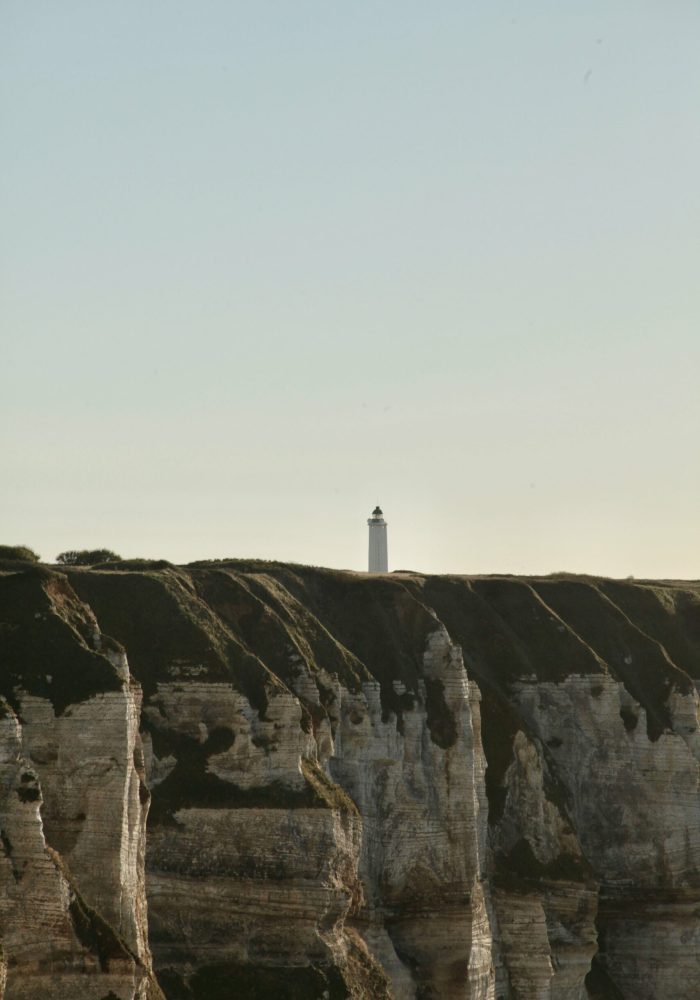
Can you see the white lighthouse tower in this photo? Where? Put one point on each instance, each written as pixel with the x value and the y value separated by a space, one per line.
pixel 378 559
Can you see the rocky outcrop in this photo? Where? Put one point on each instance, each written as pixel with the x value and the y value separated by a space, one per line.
pixel 306 783
pixel 72 817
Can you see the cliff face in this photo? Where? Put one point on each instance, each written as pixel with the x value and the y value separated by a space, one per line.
pixel 72 816
pixel 355 786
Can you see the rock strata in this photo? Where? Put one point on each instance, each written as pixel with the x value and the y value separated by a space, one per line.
pixel 257 780
pixel 72 820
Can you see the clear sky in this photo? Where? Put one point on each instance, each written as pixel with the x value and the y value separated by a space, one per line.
pixel 266 264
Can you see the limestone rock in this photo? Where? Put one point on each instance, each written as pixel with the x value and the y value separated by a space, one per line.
pixel 73 920
pixel 290 782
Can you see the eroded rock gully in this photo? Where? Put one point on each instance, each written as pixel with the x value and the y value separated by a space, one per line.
pixel 256 780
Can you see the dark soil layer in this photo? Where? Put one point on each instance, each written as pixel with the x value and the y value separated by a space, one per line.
pixel 257 623
pixel 44 633
pixel 163 623
pixel 641 663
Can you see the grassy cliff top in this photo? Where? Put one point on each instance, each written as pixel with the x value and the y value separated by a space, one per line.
pixel 258 624
pixel 47 641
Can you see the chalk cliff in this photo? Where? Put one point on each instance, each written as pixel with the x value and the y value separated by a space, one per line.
pixel 257 780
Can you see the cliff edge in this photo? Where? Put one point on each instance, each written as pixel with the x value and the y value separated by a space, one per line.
pixel 243 779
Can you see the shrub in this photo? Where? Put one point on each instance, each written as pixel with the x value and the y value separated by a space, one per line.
pixel 86 557
pixel 20 552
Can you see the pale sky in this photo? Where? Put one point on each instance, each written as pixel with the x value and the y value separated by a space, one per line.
pixel 264 265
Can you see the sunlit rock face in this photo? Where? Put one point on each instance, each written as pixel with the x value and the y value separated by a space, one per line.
pixel 73 917
pixel 285 782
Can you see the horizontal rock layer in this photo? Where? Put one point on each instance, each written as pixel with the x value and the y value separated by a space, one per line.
pixel 251 780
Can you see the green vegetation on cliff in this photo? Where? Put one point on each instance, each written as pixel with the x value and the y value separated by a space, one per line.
pixel 45 635
pixel 18 553
pixel 86 557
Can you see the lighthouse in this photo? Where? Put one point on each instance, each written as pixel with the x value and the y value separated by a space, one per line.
pixel 378 560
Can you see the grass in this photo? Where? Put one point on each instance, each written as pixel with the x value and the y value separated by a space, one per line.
pixel 18 553
pixel 667 614
pixel 630 655
pixel 160 620
pixel 44 643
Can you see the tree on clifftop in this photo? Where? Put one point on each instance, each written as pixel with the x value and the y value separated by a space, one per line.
pixel 19 552
pixel 86 557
